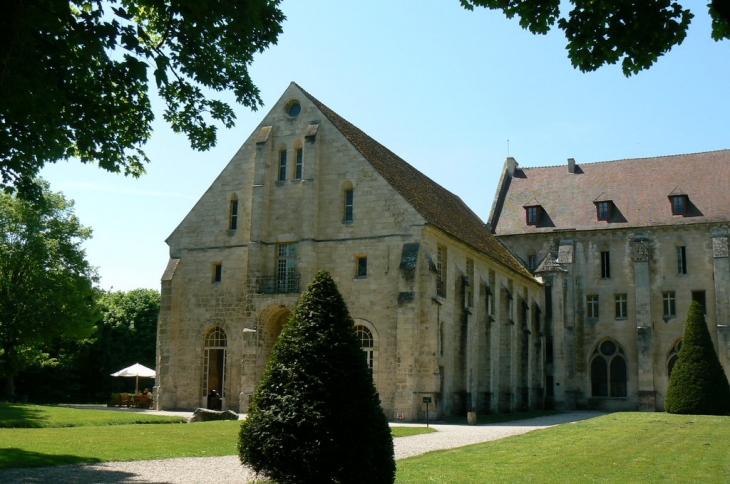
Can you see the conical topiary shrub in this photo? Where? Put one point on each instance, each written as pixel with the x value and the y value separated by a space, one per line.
pixel 698 384
pixel 315 416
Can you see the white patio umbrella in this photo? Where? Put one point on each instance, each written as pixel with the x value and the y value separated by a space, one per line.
pixel 136 371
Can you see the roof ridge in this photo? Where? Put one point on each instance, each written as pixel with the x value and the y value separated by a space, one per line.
pixel 437 205
pixel 629 159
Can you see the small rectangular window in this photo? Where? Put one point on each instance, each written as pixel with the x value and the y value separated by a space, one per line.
pixel 622 306
pixel 441 271
pixel 282 165
pixel 217 272
pixel 679 207
pixel 670 307
pixel 603 210
pixel 681 260
pixel 349 201
pixel 233 215
pixel 592 306
pixel 605 265
pixel 362 266
pixel 531 262
pixel 300 163
pixel 532 214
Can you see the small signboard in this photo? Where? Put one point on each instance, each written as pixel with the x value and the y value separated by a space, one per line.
pixel 426 399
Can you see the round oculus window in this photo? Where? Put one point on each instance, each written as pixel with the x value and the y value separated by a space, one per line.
pixel 293 108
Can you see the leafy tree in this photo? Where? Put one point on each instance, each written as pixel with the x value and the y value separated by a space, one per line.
pixel 74 76
pixel 698 384
pixel 45 281
pixel 315 416
pixel 605 31
pixel 79 371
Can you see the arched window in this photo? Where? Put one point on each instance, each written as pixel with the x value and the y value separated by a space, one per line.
pixel 673 357
pixel 214 363
pixel 299 167
pixel 608 370
pixel 367 343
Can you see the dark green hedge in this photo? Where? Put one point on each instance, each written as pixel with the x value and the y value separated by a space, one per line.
pixel 698 384
pixel 315 416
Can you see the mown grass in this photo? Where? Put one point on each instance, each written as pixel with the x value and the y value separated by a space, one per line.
pixel 45 416
pixel 57 436
pixel 620 447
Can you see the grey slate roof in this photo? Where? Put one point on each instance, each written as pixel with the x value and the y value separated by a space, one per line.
pixel 438 206
pixel 638 188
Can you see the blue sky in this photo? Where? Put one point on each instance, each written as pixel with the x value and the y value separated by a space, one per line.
pixel 442 87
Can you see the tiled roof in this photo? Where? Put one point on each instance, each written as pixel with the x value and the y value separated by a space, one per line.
pixel 438 206
pixel 639 190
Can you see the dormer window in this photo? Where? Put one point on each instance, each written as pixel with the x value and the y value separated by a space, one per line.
pixel 532 214
pixel 679 200
pixel 679 204
pixel 603 209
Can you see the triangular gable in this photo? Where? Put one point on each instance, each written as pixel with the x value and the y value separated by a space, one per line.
pixel 438 206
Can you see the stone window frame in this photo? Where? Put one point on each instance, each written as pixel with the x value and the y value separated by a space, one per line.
pixel 216 275
pixel 669 304
pixel 592 306
pixel 441 270
pixel 233 212
pixel 286 267
pixel 348 203
pixel 609 370
pixel 605 264
pixel 299 167
pixel 681 259
pixel 372 352
pixel 282 166
pixel 621 306
pixel 215 339
pixel 361 266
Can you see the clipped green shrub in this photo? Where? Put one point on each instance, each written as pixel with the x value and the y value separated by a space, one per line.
pixel 698 384
pixel 315 416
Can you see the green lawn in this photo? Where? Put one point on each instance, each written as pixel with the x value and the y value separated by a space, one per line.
pixel 57 436
pixel 619 447
pixel 615 448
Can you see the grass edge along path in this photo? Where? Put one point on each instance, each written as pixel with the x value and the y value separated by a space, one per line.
pixel 38 447
pixel 619 447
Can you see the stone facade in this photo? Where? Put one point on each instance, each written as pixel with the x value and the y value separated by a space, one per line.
pixel 443 309
pixel 621 263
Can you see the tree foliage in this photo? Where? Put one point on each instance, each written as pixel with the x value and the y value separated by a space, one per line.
pixel 74 76
pixel 79 371
pixel 45 281
pixel 315 416
pixel 698 384
pixel 607 31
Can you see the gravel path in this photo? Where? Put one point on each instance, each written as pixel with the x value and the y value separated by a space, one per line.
pixel 224 470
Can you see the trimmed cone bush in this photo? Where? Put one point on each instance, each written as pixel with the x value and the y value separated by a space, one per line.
pixel 315 416
pixel 698 384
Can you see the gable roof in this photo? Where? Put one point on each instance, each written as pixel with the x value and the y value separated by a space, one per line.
pixel 638 188
pixel 438 206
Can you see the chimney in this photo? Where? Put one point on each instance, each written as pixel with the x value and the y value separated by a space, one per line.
pixel 571 165
pixel 511 166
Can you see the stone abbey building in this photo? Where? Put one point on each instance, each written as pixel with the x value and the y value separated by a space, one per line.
pixel 499 317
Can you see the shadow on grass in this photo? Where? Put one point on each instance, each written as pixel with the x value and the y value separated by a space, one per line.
pixel 65 474
pixel 21 416
pixel 17 458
